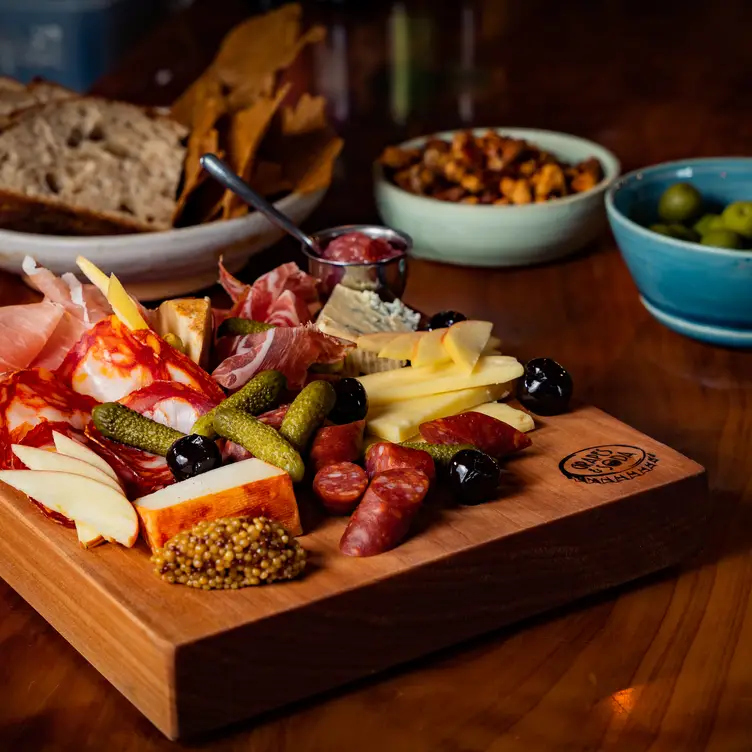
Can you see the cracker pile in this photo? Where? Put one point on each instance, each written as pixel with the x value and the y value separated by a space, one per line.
pixel 240 108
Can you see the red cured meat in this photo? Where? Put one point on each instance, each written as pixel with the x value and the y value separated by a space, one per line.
pixel 170 403
pixel 140 472
pixel 290 350
pixel 386 456
pixel 488 434
pixel 29 397
pixel 337 444
pixel 340 486
pixel 111 361
pixel 357 247
pixel 288 310
pixel 255 301
pixel 384 516
pixel 68 331
pixel 24 332
pixel 274 417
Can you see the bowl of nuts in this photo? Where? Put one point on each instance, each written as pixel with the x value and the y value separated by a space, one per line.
pixel 495 197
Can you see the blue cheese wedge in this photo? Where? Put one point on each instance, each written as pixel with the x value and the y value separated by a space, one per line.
pixel 349 314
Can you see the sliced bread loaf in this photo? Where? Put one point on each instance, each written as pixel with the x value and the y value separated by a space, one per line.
pixel 15 96
pixel 84 165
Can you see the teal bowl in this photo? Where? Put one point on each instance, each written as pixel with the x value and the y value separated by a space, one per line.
pixel 696 290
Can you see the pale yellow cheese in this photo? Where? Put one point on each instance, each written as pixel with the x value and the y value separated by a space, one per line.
pixel 493 346
pixel 410 383
pixel 430 350
pixel 94 274
pixel 518 419
pixel 401 347
pixel 400 421
pixel 466 340
pixel 123 306
pixel 376 341
pixel 191 320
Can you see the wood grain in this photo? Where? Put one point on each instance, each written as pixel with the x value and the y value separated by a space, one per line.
pixel 664 664
pixel 179 654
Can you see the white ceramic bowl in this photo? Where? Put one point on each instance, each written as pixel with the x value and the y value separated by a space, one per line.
pixel 157 265
pixel 491 235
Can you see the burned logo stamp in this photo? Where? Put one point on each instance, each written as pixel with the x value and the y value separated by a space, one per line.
pixel 609 463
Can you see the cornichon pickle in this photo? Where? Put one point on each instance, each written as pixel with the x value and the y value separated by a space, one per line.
pixel 307 413
pixel 442 453
pixel 260 440
pixel 118 422
pixel 174 341
pixel 337 367
pixel 258 395
pixel 236 327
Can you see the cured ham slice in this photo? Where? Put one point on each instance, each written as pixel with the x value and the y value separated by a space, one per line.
pixel 257 301
pixel 85 302
pixel 68 331
pixel 25 331
pixel 170 403
pixel 290 350
pixel 111 361
pixel 288 310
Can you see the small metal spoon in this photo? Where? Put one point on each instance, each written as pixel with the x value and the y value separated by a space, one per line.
pixel 224 175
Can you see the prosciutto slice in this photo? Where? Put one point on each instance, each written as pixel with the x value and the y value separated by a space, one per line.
pixel 288 310
pixel 291 350
pixel 25 331
pixel 111 361
pixel 257 301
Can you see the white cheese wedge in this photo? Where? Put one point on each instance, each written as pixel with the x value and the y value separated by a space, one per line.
pixel 80 499
pixel 248 488
pixel 191 320
pixel 72 448
pixel 374 343
pixel 430 350
pixel 518 419
pixel 401 347
pixel 123 305
pixel 411 383
pixel 466 340
pixel 400 421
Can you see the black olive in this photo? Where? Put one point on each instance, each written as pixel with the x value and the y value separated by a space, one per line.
pixel 193 455
pixel 351 404
pixel 545 388
pixel 473 477
pixel 444 319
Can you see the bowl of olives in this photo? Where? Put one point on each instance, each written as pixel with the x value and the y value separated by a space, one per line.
pixel 684 230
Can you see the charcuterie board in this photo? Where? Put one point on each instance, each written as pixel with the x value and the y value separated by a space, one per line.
pixel 594 503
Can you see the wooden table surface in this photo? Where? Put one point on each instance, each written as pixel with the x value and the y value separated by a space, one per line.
pixel 663 664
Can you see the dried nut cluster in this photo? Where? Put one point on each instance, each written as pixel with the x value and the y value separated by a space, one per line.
pixel 487 169
pixel 230 553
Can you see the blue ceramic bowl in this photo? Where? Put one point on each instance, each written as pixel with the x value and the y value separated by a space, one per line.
pixel 696 290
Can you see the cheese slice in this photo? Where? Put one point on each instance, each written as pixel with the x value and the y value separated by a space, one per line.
pixel 400 421
pixel 94 274
pixel 466 340
pixel 190 319
pixel 123 306
pixel 518 419
pixel 410 383
pixel 494 343
pixel 429 350
pixel 375 343
pixel 401 347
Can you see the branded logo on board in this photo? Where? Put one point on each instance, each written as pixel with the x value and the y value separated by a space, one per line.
pixel 609 463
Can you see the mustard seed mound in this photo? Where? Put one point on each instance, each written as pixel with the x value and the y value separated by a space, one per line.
pixel 230 553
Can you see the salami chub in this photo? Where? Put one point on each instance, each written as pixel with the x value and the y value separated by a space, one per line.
pixel 337 444
pixel 490 435
pixel 340 486
pixel 384 516
pixel 386 456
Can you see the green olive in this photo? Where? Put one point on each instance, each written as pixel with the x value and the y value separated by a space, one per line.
pixel 722 239
pixel 680 202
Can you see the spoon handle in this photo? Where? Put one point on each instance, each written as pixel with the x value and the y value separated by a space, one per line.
pixel 222 173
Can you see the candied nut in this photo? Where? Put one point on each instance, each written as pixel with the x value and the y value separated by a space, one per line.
pixel 528 168
pixel 587 175
pixel 502 201
pixel 549 180
pixel 472 182
pixel 397 159
pixel 470 200
pixel 455 193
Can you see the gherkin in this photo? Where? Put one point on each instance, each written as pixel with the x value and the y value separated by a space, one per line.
pixel 120 423
pixel 307 412
pixel 442 453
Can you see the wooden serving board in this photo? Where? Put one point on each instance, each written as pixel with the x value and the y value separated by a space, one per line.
pixel 592 504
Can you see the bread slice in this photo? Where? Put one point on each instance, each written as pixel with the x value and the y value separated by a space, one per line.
pixel 16 97
pixel 89 166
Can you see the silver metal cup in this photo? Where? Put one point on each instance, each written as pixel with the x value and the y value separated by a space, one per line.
pixel 386 278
